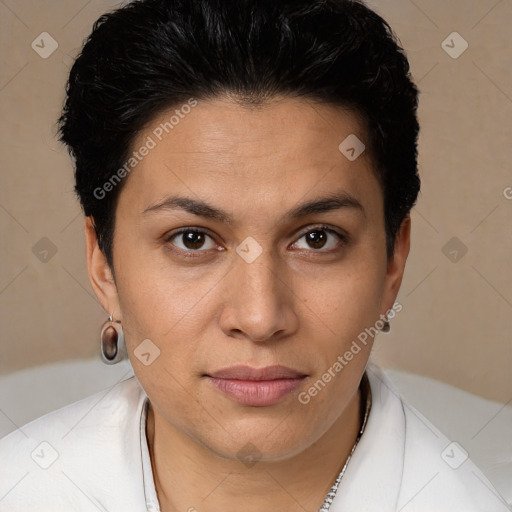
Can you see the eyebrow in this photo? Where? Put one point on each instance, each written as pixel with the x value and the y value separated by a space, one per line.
pixel 331 202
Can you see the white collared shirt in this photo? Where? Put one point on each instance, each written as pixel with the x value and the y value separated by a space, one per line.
pixel 92 455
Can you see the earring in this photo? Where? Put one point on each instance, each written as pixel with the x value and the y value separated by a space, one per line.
pixel 113 349
pixel 386 327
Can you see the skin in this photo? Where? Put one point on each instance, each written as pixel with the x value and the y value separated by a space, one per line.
pixel 298 304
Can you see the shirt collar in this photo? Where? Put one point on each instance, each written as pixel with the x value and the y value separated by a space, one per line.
pixel 150 494
pixel 373 476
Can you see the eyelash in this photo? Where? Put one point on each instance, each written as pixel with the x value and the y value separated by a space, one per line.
pixel 197 253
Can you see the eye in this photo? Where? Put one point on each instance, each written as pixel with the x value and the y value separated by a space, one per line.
pixel 191 240
pixel 318 238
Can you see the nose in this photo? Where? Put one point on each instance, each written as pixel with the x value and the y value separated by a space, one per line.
pixel 259 303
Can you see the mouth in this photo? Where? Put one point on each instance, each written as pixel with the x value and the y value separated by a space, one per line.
pixel 257 387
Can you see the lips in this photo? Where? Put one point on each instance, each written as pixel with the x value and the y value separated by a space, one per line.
pixel 256 386
pixel 248 373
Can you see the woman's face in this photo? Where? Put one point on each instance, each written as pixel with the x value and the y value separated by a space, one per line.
pixel 262 284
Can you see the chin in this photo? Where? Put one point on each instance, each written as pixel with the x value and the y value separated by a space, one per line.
pixel 252 441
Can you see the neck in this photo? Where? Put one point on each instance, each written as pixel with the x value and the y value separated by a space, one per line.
pixel 189 476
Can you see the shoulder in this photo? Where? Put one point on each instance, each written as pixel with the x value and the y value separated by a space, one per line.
pixel 75 456
pixel 438 473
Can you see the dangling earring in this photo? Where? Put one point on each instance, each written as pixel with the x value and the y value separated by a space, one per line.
pixel 386 327
pixel 113 349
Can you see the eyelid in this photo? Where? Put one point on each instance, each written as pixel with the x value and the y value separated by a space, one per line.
pixel 326 227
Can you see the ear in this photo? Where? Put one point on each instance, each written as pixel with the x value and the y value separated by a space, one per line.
pixel 396 264
pixel 100 274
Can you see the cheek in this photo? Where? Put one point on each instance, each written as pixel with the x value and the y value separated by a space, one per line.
pixel 350 297
pixel 168 315
pixel 168 307
pixel 154 294
pixel 349 307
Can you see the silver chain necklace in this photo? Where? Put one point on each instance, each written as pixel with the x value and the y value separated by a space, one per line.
pixel 366 391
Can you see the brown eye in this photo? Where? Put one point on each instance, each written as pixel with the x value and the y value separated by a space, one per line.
pixel 191 240
pixel 316 239
pixel 321 238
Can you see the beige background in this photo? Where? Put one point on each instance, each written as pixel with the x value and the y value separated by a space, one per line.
pixel 456 323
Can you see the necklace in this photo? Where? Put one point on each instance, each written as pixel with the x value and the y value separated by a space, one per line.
pixel 366 392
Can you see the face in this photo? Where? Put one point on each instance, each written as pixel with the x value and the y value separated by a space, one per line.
pixel 240 273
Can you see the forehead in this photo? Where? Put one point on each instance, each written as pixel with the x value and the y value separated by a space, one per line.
pixel 221 149
pixel 220 125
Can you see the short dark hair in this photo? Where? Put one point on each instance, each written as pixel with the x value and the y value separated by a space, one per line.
pixel 150 55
